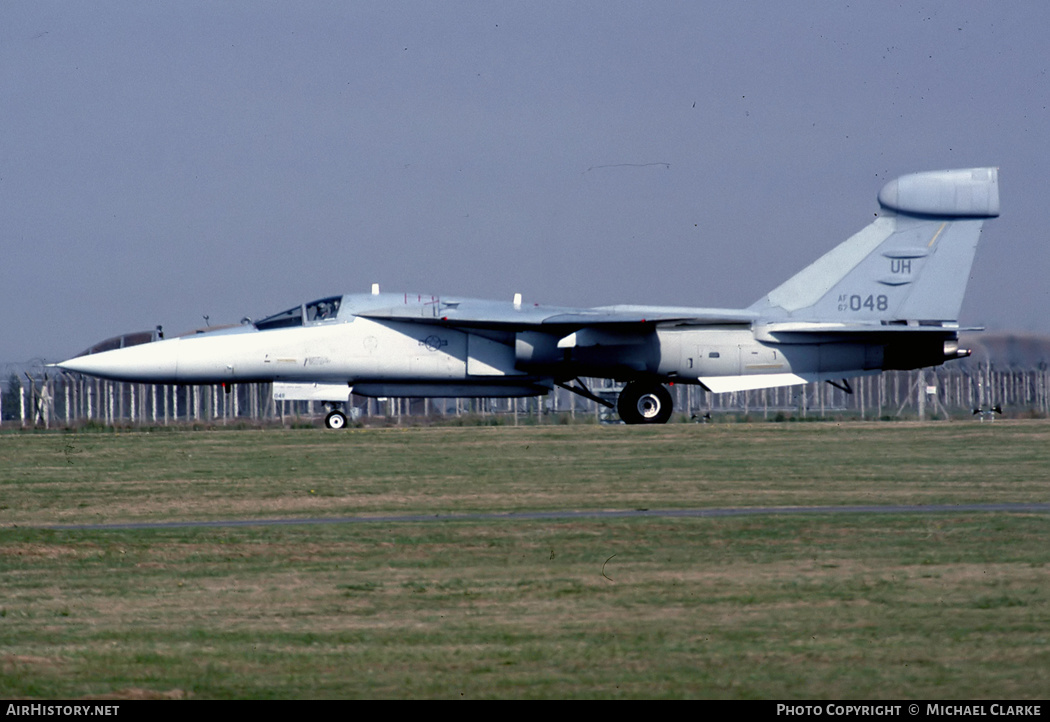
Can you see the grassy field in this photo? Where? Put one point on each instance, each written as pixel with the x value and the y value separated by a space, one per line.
pixel 815 606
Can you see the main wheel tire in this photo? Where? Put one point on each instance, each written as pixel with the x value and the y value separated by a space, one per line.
pixel 335 420
pixel 642 403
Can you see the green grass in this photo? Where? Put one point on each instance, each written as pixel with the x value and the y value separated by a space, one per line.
pixel 816 606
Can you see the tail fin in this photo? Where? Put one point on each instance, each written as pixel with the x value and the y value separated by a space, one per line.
pixel 911 264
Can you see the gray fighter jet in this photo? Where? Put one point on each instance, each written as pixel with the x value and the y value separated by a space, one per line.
pixel 886 298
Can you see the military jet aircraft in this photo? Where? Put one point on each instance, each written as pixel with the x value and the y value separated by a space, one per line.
pixel 886 298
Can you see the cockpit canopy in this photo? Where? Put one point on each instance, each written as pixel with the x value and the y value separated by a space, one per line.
pixel 325 309
pixel 124 341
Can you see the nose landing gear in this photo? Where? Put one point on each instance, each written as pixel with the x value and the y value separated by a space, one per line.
pixel 335 419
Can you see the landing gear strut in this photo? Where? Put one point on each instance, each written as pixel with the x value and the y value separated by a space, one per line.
pixel 644 403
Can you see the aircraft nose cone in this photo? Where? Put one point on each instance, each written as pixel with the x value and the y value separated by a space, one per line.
pixel 155 362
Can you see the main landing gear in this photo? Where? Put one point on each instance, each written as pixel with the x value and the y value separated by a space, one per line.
pixel 640 402
pixel 644 403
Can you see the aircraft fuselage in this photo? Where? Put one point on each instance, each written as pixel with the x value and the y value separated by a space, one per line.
pixel 425 358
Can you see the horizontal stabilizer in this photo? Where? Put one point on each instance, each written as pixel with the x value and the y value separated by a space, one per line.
pixel 753 382
pixel 800 332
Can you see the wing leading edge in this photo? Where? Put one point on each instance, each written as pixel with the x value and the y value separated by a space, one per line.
pixel 471 314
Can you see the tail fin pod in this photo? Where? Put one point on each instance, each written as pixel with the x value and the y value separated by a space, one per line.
pixel 911 263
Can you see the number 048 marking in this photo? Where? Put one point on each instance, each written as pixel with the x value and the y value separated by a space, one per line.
pixel 859 303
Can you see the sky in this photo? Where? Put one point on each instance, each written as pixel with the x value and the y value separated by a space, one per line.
pixel 163 162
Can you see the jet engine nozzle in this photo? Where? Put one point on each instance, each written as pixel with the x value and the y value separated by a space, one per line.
pixel 952 351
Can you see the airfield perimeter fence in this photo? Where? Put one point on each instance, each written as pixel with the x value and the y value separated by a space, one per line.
pixel 39 399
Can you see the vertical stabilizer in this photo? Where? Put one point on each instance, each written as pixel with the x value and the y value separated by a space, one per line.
pixel 911 264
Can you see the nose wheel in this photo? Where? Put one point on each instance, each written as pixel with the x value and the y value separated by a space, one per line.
pixel 644 403
pixel 335 420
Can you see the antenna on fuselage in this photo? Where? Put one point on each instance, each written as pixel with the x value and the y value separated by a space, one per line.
pixel 375 289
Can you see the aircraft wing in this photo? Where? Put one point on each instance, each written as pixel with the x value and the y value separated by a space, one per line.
pixel 494 315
